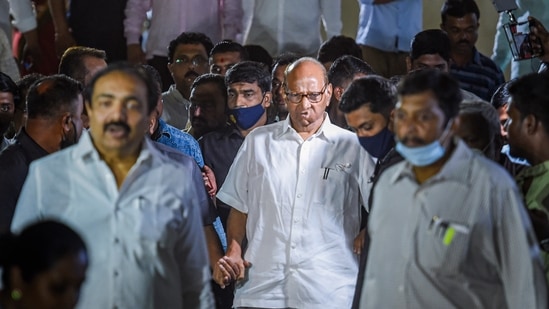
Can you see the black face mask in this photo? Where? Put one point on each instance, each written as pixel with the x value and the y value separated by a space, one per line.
pixel 5 121
pixel 66 142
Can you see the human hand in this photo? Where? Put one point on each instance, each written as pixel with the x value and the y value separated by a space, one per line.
pixel 359 242
pixel 136 54
pixel 229 269
pixel 209 180
pixel 539 37
pixel 63 40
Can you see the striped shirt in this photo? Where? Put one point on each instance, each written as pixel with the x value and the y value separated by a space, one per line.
pixel 461 239
pixel 481 76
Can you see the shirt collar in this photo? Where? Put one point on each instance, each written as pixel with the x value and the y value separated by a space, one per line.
pixel 533 171
pixel 456 168
pixel 30 146
pixel 177 95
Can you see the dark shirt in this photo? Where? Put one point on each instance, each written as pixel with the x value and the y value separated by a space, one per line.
pixel 219 148
pixel 14 167
pixel 481 76
pixel 99 24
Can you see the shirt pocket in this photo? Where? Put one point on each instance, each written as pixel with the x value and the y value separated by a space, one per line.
pixel 443 247
pixel 331 184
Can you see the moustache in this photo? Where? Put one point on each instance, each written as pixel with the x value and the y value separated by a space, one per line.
pixel 412 139
pixel 117 125
pixel 191 73
pixel 463 42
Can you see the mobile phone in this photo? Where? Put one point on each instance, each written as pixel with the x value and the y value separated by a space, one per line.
pixel 518 36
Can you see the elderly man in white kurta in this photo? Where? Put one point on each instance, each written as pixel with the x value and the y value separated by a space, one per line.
pixel 296 188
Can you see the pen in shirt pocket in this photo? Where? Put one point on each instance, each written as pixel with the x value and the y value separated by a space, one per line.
pixel 447 229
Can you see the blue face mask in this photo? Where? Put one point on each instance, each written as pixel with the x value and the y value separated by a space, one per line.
pixel 424 155
pixel 246 117
pixel 378 145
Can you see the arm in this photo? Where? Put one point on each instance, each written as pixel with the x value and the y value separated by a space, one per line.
pixel 331 17
pixel 231 19
pixel 135 12
pixel 63 36
pixel 25 21
pixel 501 54
pixel 232 266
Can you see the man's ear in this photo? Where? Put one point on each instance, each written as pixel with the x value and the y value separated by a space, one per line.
pixel 267 98
pixel 408 63
pixel 531 124
pixel 66 122
pixel 338 93
pixel 455 124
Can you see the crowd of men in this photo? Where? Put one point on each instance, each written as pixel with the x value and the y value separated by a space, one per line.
pixel 362 178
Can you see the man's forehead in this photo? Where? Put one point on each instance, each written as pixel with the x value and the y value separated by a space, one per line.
pixel 243 86
pixel 111 84
pixel 418 101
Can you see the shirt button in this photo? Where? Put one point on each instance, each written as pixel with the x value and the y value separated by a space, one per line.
pixel 401 288
pixel 293 246
pixel 299 195
pixel 296 220
pixel 116 240
pixel 116 273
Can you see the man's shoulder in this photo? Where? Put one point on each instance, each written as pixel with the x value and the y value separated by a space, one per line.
pixel 14 155
pixel 170 156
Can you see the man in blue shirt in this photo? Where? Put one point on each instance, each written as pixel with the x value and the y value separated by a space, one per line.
pixel 385 34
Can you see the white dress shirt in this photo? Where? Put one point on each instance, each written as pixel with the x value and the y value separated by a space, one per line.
pixel 218 19
pixel 303 200
pixel 145 241
pixel 292 26
pixel 462 239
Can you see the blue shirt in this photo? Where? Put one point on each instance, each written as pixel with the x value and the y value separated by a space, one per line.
pixel 481 76
pixel 389 27
pixel 175 138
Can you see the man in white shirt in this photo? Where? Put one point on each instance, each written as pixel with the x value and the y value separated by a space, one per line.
pixel 218 19
pixel 144 233
pixel 296 188
pixel 291 26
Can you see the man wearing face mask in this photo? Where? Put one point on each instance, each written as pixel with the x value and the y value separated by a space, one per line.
pixel 368 105
pixel 249 95
pixel 54 107
pixel 448 228
pixel 9 96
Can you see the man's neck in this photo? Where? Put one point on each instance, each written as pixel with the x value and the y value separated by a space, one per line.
pixel 462 58
pixel 41 132
pixel 185 91
pixel 120 163
pixel 307 131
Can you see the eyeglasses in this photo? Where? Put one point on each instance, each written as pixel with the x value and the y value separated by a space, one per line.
pixel 195 61
pixel 313 97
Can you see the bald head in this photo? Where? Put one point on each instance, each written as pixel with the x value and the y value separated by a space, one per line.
pixel 307 94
